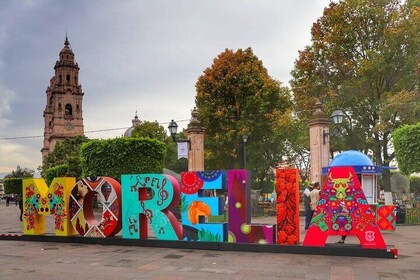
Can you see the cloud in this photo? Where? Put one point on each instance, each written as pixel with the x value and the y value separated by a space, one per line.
pixel 6 97
pixel 133 55
pixel 16 154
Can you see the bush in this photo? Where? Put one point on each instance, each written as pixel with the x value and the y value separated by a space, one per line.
pixel 115 157
pixel 56 171
pixel 400 183
pixel 407 148
pixel 13 186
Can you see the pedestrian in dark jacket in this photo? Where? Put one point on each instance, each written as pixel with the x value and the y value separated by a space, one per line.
pixel 21 207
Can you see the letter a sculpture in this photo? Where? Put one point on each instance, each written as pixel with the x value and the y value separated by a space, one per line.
pixel 343 210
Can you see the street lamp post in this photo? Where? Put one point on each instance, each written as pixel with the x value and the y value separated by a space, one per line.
pixel 173 127
pixel 337 116
pixel 245 139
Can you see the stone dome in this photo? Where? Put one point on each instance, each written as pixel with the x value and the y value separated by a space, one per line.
pixel 129 131
pixel 135 122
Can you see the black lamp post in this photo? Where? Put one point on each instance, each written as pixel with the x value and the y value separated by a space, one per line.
pixel 245 139
pixel 337 116
pixel 173 127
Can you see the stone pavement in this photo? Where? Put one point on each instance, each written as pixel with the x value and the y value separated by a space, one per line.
pixel 30 260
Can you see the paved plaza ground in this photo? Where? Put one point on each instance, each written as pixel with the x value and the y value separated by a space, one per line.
pixel 37 260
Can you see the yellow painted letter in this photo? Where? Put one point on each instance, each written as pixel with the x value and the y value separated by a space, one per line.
pixel 40 201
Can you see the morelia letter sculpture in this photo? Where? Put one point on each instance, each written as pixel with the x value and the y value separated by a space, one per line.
pixel 343 210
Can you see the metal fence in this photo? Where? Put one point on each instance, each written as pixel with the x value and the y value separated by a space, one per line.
pixel 412 216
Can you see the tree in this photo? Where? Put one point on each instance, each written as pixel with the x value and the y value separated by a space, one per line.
pixel 237 97
pixel 13 186
pixel 154 130
pixel 21 173
pixel 364 59
pixel 297 148
pixel 415 185
pixel 407 148
pixel 66 154
pixel 400 185
pixel 13 180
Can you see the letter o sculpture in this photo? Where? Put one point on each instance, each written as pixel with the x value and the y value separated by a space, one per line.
pixel 108 193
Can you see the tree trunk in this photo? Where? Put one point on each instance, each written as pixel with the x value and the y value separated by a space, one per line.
pixel 386 180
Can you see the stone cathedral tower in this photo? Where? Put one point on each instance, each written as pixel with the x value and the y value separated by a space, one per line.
pixel 63 115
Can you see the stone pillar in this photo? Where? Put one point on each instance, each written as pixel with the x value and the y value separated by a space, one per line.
pixel 195 133
pixel 320 149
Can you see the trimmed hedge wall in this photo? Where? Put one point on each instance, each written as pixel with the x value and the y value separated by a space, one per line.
pixel 114 157
pixel 13 186
pixel 56 171
pixel 407 148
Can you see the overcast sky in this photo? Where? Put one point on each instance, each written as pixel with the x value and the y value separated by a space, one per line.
pixel 133 55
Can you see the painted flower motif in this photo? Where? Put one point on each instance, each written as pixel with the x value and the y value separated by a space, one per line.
pixel 291 239
pixel 281 212
pixel 197 209
pixel 281 236
pixel 190 182
pixel 287 203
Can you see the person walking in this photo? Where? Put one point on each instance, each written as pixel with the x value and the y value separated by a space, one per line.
pixel 21 207
pixel 307 205
pixel 7 200
pixel 314 197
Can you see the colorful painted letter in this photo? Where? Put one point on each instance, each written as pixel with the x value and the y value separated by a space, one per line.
pixel 40 201
pixel 287 190
pixel 385 216
pixel 148 198
pixel 343 210
pixel 108 192
pixel 197 206
pixel 239 205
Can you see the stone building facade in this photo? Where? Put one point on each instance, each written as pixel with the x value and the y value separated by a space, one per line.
pixel 63 114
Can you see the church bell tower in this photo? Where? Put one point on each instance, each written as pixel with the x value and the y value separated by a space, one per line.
pixel 63 114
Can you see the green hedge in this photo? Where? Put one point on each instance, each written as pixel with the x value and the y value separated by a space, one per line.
pixel 13 186
pixel 407 148
pixel 56 171
pixel 115 157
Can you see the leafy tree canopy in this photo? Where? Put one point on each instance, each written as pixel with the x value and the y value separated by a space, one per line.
pixel 237 97
pixel 154 130
pixel 21 173
pixel 364 60
pixel 66 152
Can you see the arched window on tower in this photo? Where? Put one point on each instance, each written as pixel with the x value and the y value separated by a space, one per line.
pixel 68 78
pixel 69 110
pixel 75 80
pixel 60 78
